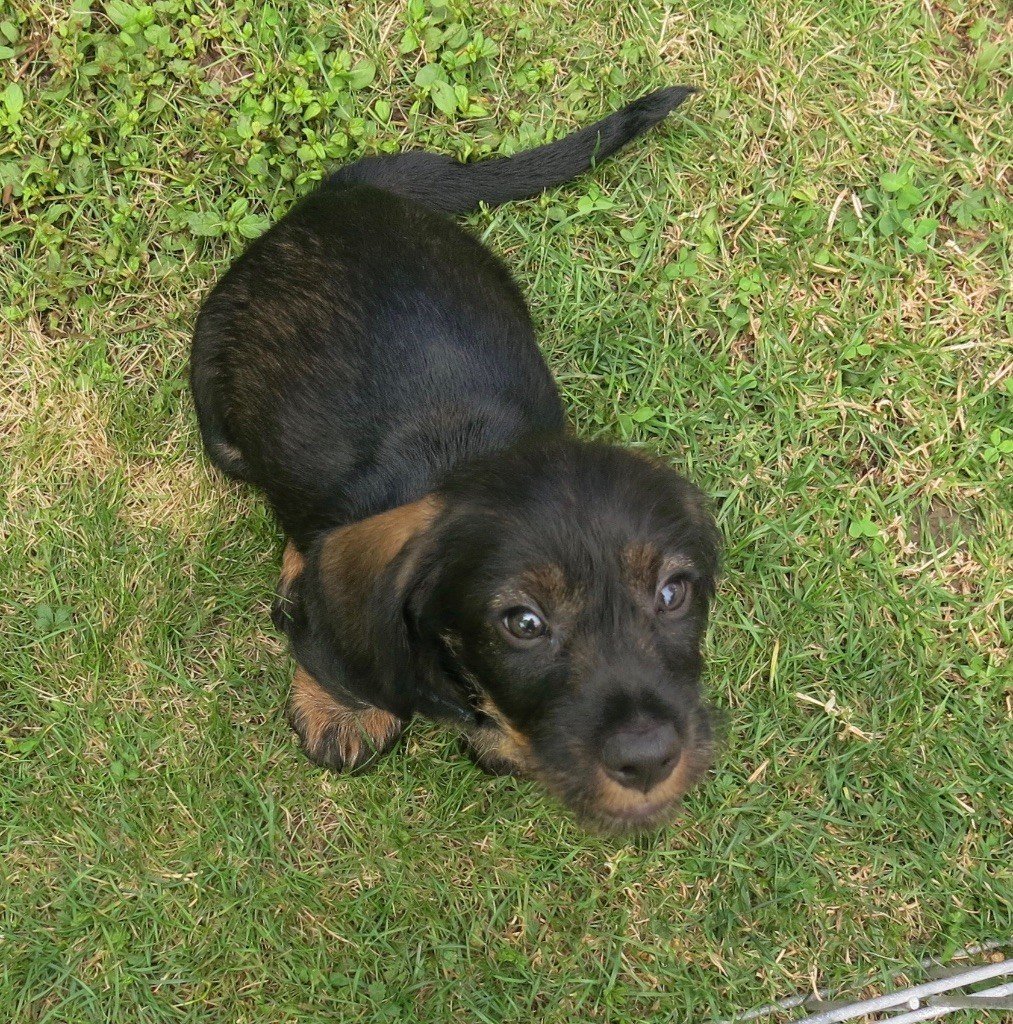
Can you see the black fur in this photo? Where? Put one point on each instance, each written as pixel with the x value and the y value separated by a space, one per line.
pixel 441 183
pixel 366 353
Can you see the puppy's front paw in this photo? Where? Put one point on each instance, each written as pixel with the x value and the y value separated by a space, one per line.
pixel 336 736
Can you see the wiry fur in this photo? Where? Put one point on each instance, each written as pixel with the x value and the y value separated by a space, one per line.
pixel 372 368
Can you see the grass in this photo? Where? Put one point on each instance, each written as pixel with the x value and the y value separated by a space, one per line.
pixel 797 291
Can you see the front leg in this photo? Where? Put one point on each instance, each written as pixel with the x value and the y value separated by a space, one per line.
pixel 337 735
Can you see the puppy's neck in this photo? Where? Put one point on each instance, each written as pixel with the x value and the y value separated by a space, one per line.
pixel 417 457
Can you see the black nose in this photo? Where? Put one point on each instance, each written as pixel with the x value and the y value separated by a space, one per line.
pixel 640 758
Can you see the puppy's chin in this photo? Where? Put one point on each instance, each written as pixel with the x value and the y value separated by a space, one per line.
pixel 631 824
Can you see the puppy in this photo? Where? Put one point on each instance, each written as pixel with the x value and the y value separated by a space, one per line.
pixel 453 552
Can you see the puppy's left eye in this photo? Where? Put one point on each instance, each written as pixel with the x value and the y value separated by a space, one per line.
pixel 674 594
pixel 525 624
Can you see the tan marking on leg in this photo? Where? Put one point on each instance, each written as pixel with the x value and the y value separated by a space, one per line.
pixel 292 565
pixel 335 735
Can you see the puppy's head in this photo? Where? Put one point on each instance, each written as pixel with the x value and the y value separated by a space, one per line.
pixel 572 595
pixel 560 591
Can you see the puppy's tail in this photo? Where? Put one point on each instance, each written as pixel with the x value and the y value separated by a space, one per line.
pixel 442 183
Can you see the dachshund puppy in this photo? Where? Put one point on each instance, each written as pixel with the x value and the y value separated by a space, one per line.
pixel 453 552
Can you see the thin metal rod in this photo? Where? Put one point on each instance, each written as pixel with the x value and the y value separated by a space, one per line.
pixel 791 1002
pixel 835 1015
pixel 941 1009
pixel 782 1004
pixel 998 1000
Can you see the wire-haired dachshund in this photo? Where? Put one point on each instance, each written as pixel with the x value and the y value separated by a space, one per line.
pixel 452 550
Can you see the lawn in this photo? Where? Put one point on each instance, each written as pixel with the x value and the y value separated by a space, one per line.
pixel 797 291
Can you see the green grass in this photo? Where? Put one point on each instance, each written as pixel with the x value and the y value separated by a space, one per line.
pixel 797 291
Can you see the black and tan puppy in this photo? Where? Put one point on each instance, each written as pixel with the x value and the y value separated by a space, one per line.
pixel 453 552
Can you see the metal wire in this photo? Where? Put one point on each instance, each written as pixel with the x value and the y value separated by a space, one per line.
pixel 911 996
pixel 792 1002
pixel 979 1001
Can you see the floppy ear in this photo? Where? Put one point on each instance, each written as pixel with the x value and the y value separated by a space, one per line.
pixel 346 613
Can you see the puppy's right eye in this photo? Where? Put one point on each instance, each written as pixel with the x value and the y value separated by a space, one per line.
pixel 673 595
pixel 525 624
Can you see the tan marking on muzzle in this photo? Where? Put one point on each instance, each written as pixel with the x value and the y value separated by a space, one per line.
pixel 621 802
